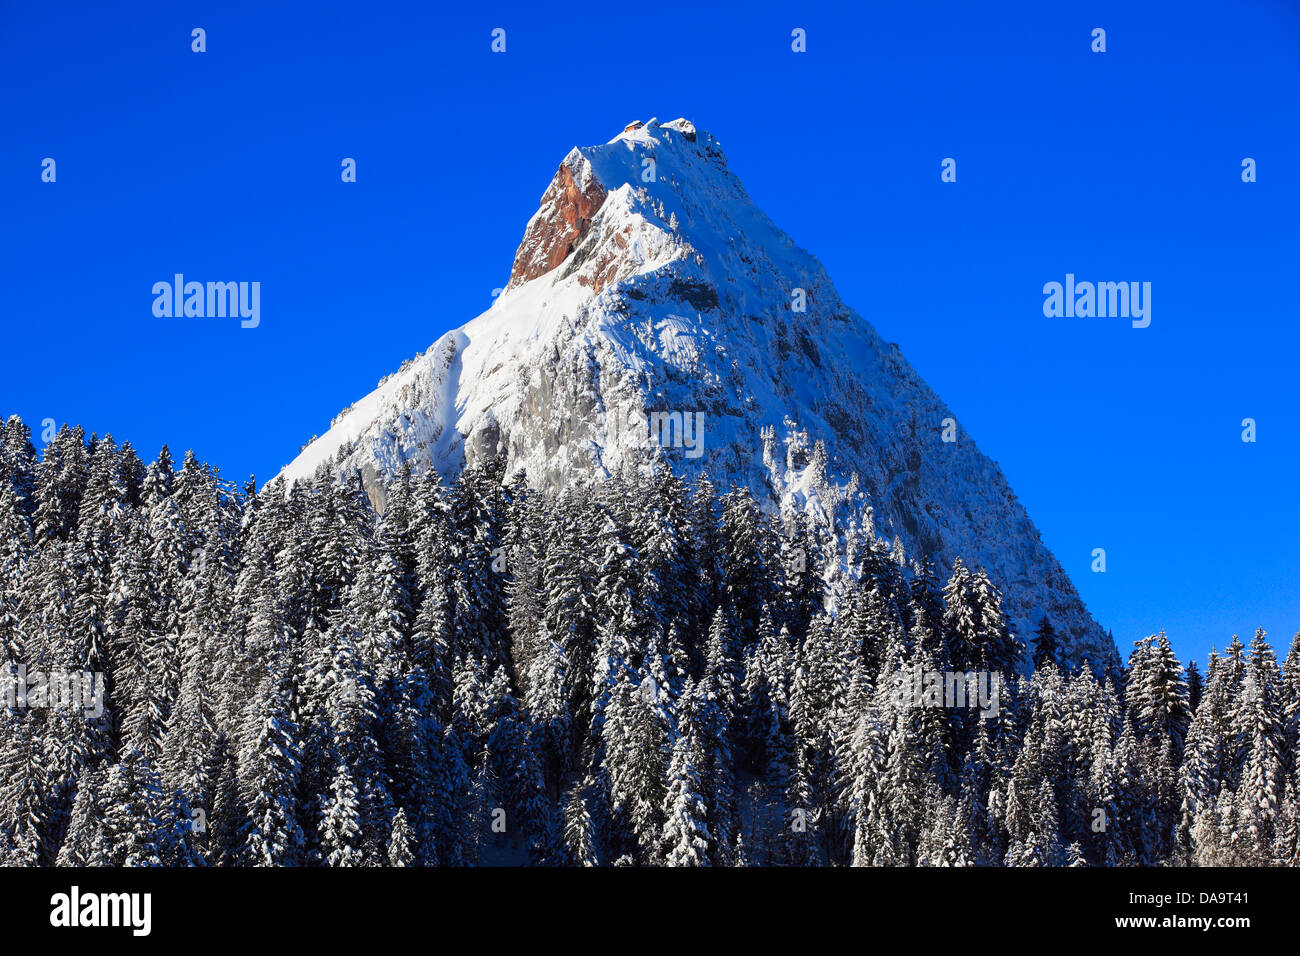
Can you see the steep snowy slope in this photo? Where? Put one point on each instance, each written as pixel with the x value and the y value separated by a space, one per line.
pixel 652 305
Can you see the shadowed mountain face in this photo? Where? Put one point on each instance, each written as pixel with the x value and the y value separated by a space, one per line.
pixel 654 313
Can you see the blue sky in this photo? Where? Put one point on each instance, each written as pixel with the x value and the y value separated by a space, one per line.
pixel 1117 166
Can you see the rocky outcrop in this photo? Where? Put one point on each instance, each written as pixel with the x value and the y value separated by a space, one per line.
pixel 568 206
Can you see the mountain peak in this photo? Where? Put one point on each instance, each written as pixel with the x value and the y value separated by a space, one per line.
pixel 647 130
pixel 649 159
pixel 649 286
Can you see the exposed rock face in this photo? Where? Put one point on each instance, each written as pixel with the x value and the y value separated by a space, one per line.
pixel 673 295
pixel 568 206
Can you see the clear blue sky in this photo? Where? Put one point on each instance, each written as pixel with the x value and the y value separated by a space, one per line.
pixel 1119 166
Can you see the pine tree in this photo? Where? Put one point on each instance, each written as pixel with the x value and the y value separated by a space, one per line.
pixel 1157 692
pixel 60 485
pixel 399 841
pixel 1290 701
pixel 578 830
pixel 18 465
pixel 340 826
pixel 635 764
pixel 1259 720
pixel 685 834
pixel 15 559
pixel 977 635
pixel 85 843
pixel 24 786
pixel 271 835
pixel 1045 649
pixel 1195 686
pixel 135 817
pixel 866 797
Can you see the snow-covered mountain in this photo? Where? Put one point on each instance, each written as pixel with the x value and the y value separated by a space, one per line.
pixel 653 307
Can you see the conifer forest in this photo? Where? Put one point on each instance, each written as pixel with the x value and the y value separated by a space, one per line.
pixel 641 671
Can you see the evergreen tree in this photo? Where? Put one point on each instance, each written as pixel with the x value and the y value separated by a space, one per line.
pixel 271 835
pixel 977 634
pixel 685 834
pixel 1045 649
pixel 399 841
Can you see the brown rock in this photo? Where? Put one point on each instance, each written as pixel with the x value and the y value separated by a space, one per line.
pixel 566 213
